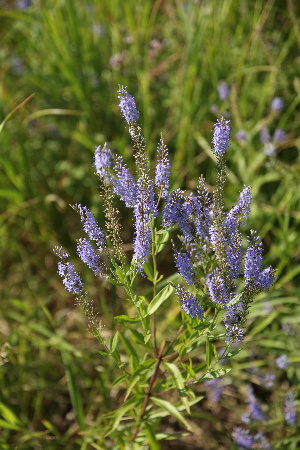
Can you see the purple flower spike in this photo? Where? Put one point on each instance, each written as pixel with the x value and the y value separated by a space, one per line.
pixel 255 410
pixel 241 209
pixel 190 304
pixel 234 334
pixel 89 256
pixel 127 106
pixel 90 226
pixel 223 90
pixel 277 104
pixel 221 134
pixel 253 261
pixel 70 278
pixel 184 266
pixel 242 438
pixel 144 207
pixel 124 185
pixel 102 162
pixel 162 172
pixel 174 211
pixel 290 413
pixel 216 289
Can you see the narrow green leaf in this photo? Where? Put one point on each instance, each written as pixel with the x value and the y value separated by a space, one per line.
pixel 103 353
pixel 201 326
pixel 114 342
pixel 120 274
pixel 119 380
pixel 9 415
pixel 175 372
pixel 73 388
pixel 162 296
pixel 263 324
pixel 138 337
pixel 148 269
pixel 234 301
pixel 167 406
pixel 133 382
pixel 9 426
pixel 122 410
pixel 189 370
pixel 162 238
pixel 170 436
pixel 215 374
pixel 147 337
pixel 208 352
pixel 11 194
pixel 124 318
pixel 233 353
pixel 179 382
pixel 152 441
pixel 130 350
pixel 51 428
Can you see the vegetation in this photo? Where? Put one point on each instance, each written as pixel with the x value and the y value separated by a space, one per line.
pixel 62 62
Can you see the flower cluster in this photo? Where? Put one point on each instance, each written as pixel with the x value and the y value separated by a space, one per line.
pixel 221 135
pixel 189 303
pixel 211 255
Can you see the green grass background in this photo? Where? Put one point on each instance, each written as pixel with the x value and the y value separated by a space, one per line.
pixel 172 55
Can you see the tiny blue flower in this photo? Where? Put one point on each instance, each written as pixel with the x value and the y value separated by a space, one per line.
pixel 223 90
pixel 221 134
pixel 234 334
pixel 253 261
pixel 269 149
pixel 279 135
pixel 241 135
pixel 127 106
pixel 277 104
pixel 184 266
pixel 242 438
pixel 190 304
pixel 90 226
pixel 264 135
pixel 124 184
pixel 282 362
pixel 89 256
pixel 215 389
pixel 290 412
pixel 162 172
pixel 216 288
pixel 255 410
pixel 143 209
pixel 102 162
pixel 70 278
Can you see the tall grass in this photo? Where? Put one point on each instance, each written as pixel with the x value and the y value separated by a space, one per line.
pixel 172 56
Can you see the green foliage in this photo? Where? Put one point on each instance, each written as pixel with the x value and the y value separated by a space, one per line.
pixel 55 378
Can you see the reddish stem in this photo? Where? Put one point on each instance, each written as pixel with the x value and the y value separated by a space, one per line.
pixel 150 388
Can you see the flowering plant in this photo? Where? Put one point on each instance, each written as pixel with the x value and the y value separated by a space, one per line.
pixel 216 280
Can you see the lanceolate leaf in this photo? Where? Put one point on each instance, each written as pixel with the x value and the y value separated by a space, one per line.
pixel 163 404
pixel 162 296
pixel 179 382
pixel 215 374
